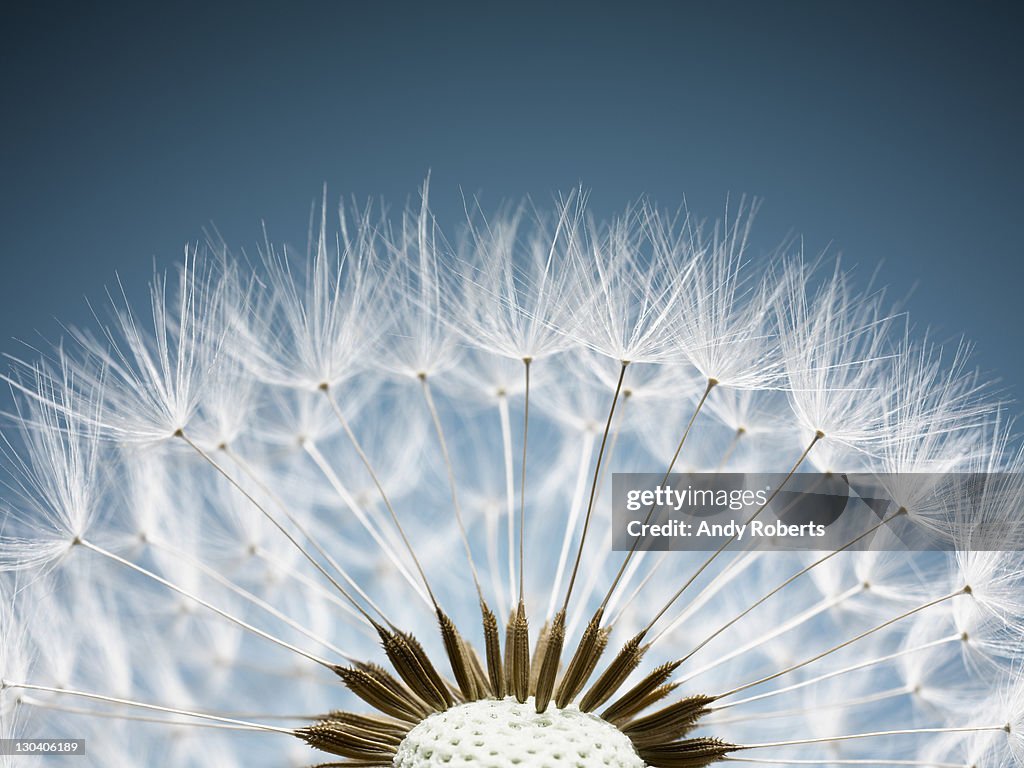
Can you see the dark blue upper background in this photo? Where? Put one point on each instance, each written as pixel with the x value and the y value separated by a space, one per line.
pixel 889 132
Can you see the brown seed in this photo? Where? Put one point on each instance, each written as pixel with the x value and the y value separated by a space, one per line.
pixel 635 699
pixel 621 667
pixel 588 651
pixel 550 661
pixel 521 655
pixel 492 648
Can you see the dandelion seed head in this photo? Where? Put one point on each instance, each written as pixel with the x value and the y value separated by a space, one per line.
pixel 359 499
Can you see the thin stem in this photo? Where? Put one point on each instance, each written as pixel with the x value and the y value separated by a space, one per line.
pixel 314 586
pixel 522 481
pixel 733 570
pixel 439 428
pixel 846 761
pixel 774 714
pixel 142 705
pixel 671 465
pixel 575 507
pixel 595 574
pixel 380 488
pixel 220 612
pixel 510 493
pixel 273 520
pixel 249 597
pixel 759 641
pixel 40 704
pixel 492 515
pixel 846 643
pixel 873 734
pixel 789 581
pixel 740 432
pixel 818 436
pixel 845 670
pixel 288 674
pixel 627 577
pixel 311 449
pixel 593 486
pixel 597 570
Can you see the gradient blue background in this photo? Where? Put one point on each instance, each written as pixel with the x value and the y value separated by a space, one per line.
pixel 888 132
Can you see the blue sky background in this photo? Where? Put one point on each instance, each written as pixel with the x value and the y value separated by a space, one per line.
pixel 889 132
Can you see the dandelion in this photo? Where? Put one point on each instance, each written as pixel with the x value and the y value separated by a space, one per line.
pixel 353 506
